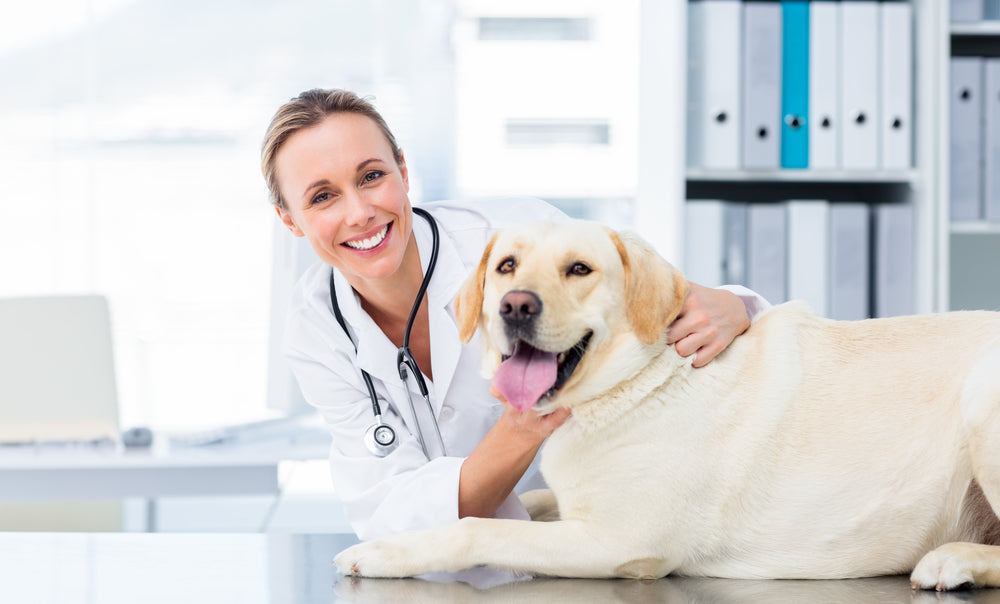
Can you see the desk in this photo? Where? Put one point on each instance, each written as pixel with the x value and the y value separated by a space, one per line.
pixel 51 472
pixel 113 568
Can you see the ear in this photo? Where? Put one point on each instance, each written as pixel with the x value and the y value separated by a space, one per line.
pixel 286 218
pixel 469 302
pixel 654 289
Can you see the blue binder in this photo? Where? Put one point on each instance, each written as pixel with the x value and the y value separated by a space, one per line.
pixel 795 84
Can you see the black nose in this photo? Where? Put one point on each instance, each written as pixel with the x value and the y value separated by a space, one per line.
pixel 519 307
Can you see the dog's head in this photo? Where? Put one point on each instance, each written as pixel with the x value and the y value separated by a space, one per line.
pixel 567 310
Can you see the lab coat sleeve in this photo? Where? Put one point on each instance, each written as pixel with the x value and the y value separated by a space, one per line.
pixel 382 496
pixel 754 302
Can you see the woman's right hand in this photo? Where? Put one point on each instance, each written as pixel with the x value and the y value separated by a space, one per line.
pixel 529 424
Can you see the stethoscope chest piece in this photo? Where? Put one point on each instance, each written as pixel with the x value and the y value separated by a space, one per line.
pixel 380 439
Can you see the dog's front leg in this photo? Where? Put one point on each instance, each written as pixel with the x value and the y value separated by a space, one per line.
pixel 560 548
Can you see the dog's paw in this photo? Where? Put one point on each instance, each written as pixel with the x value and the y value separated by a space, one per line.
pixel 403 555
pixel 956 565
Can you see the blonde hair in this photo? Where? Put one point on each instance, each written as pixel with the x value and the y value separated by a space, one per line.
pixel 306 110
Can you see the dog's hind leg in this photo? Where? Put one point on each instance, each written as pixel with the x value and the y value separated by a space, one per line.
pixel 560 548
pixel 957 564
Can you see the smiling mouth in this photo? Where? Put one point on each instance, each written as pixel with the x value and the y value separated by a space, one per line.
pixel 371 242
pixel 528 374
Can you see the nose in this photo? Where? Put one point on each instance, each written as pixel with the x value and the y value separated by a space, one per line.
pixel 520 307
pixel 359 211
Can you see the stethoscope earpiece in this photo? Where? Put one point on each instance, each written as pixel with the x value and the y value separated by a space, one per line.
pixel 380 439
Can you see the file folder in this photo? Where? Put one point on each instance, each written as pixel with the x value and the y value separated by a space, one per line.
pixel 795 84
pixel 991 146
pixel 766 251
pixel 895 285
pixel 704 245
pixel 808 247
pixel 762 85
pixel 966 11
pixel 849 261
pixel 859 89
pixel 824 88
pixel 735 235
pixel 966 106
pixel 714 112
pixel 897 85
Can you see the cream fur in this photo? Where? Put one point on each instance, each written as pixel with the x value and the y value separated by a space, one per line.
pixel 808 449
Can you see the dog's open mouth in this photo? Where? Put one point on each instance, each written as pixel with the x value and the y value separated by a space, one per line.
pixel 529 374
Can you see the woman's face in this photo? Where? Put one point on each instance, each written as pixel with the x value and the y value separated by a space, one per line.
pixel 346 195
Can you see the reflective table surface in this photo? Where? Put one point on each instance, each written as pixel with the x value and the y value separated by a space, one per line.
pixel 112 568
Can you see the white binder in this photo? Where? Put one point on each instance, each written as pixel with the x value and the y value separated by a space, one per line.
pixel 859 89
pixel 991 146
pixel 849 261
pixel 703 241
pixel 734 224
pixel 966 11
pixel 895 285
pixel 808 248
pixel 824 88
pixel 897 85
pixel 714 112
pixel 766 251
pixel 966 106
pixel 762 85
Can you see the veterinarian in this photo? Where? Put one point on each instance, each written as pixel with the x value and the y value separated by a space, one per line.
pixel 337 177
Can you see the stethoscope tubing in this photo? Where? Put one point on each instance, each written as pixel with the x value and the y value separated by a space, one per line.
pixel 405 361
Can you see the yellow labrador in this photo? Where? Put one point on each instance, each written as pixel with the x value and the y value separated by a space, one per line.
pixel 810 448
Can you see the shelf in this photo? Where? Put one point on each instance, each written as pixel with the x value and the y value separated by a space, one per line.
pixel 978 29
pixel 975 227
pixel 803 176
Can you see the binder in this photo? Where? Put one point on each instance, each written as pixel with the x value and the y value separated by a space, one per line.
pixel 704 245
pixel 808 247
pixel 966 106
pixel 966 11
pixel 795 84
pixel 991 10
pixel 824 89
pixel 859 89
pixel 897 85
pixel 849 261
pixel 895 252
pixel 766 251
pixel 734 223
pixel 761 85
pixel 991 146
pixel 714 112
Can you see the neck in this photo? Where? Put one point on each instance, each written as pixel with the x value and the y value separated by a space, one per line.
pixel 628 395
pixel 389 300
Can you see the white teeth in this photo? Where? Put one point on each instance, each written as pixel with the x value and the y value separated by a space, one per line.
pixel 367 244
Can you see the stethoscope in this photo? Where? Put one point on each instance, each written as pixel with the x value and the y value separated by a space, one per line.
pixel 380 438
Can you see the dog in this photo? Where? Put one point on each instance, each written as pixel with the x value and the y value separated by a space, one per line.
pixel 808 449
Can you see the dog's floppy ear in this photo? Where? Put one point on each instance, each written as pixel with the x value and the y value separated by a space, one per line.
pixel 469 302
pixel 654 289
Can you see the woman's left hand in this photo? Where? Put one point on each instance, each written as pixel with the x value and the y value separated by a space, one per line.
pixel 709 321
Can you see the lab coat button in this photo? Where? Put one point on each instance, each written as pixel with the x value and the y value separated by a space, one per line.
pixel 447 413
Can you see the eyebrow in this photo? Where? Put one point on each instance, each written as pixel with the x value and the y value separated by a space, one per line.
pixel 323 181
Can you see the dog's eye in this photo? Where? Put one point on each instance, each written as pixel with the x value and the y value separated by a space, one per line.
pixel 579 268
pixel 506 266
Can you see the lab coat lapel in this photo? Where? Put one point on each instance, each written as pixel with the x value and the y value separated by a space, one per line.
pixel 446 347
pixel 376 354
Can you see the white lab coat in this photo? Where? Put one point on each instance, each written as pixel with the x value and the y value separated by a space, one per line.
pixel 405 491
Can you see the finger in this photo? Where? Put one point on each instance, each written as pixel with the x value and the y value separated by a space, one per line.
pixel 688 345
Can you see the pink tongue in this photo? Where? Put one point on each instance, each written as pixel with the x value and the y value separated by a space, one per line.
pixel 526 376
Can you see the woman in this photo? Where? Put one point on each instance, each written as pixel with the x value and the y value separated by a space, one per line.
pixel 337 177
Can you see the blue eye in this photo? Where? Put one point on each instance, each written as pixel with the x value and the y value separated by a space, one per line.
pixel 373 175
pixel 320 198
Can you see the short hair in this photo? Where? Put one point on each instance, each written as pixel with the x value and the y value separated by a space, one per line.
pixel 304 111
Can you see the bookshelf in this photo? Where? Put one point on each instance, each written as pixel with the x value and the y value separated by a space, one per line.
pixel 665 179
